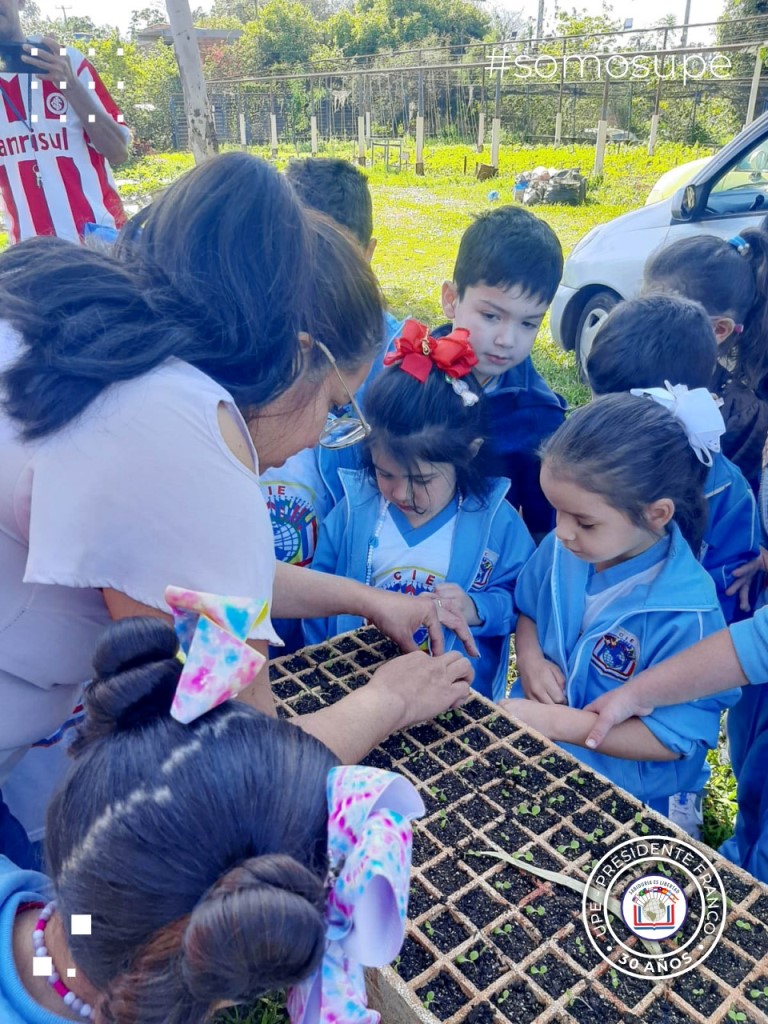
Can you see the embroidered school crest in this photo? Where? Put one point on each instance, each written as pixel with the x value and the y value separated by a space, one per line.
pixel 487 563
pixel 294 526
pixel 615 655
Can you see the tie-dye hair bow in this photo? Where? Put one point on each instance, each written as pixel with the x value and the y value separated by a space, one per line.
pixel 218 663
pixel 369 856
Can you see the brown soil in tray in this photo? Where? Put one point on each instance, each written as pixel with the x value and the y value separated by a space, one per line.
pixel 488 942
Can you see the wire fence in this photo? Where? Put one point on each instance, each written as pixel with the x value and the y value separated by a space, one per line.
pixel 701 91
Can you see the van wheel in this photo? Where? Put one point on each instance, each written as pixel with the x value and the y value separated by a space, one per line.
pixel 596 310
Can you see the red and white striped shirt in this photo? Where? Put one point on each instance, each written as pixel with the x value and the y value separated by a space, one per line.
pixel 52 180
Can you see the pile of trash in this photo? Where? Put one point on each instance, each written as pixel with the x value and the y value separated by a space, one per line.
pixel 549 185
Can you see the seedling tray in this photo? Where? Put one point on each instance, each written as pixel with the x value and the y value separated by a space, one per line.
pixel 487 941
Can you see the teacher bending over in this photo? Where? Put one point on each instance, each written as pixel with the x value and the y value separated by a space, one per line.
pixel 142 392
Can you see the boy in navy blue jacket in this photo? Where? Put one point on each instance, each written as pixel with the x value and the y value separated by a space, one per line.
pixel 644 343
pixel 506 274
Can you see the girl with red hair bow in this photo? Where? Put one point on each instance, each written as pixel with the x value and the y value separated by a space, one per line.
pixel 423 515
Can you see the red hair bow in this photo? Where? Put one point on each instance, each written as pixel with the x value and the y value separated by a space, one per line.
pixel 417 352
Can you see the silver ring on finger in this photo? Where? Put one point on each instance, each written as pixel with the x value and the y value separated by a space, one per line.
pixel 439 603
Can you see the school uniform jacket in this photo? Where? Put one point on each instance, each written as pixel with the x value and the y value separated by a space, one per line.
pixel 658 619
pixel 490 547
pixel 732 535
pixel 523 411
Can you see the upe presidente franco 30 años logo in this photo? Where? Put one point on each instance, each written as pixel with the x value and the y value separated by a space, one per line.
pixel 654 907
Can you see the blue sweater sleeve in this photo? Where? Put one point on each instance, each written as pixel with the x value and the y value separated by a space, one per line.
pixel 731 537
pixel 328 558
pixel 750 638
pixel 495 602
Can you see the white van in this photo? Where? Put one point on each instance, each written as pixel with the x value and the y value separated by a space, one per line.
pixel 725 196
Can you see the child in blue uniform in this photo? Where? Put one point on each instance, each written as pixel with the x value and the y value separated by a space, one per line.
pixel 423 515
pixel 202 853
pixel 730 280
pixel 616 587
pixel 506 274
pixel 658 338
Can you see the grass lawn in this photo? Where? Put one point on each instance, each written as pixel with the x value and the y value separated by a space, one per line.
pixel 418 223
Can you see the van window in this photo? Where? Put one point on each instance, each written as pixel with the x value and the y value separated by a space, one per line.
pixel 744 186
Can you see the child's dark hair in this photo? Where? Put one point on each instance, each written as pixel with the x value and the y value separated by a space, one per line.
pixel 509 247
pixel 727 282
pixel 336 188
pixel 346 301
pixel 427 422
pixel 631 452
pixel 647 341
pixel 198 850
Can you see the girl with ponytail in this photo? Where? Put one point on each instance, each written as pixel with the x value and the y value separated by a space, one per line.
pixel 730 280
pixel 199 851
pixel 616 587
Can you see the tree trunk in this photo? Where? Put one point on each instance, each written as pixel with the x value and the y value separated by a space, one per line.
pixel 202 134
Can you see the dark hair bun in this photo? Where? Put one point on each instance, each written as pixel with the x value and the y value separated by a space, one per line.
pixel 136 672
pixel 259 929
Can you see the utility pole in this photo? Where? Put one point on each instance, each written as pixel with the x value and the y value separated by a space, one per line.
pixel 202 134
pixel 540 20
pixel 686 19
pixel 64 13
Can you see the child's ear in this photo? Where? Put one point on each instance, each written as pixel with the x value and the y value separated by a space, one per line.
pixel 659 513
pixel 369 250
pixel 723 327
pixel 475 447
pixel 449 297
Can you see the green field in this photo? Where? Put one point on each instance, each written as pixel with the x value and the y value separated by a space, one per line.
pixel 418 222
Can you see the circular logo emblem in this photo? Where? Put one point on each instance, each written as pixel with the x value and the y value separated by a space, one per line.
pixel 55 104
pixel 654 907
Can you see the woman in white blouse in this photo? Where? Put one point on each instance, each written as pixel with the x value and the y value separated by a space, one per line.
pixel 142 392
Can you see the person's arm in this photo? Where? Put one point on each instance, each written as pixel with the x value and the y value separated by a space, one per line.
pixel 108 137
pixel 407 690
pixel 708 667
pixel 258 694
pixel 301 593
pixel 631 740
pixel 410 689
pixel 731 540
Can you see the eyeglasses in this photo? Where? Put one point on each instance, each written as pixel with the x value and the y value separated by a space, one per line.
pixel 342 431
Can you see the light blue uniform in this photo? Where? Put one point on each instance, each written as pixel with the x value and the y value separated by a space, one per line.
pixel 732 536
pixel 17 887
pixel 748 741
pixel 652 622
pixel 491 545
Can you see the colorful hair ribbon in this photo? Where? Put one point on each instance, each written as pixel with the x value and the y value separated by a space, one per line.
pixel 418 352
pixel 218 663
pixel 697 413
pixel 369 855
